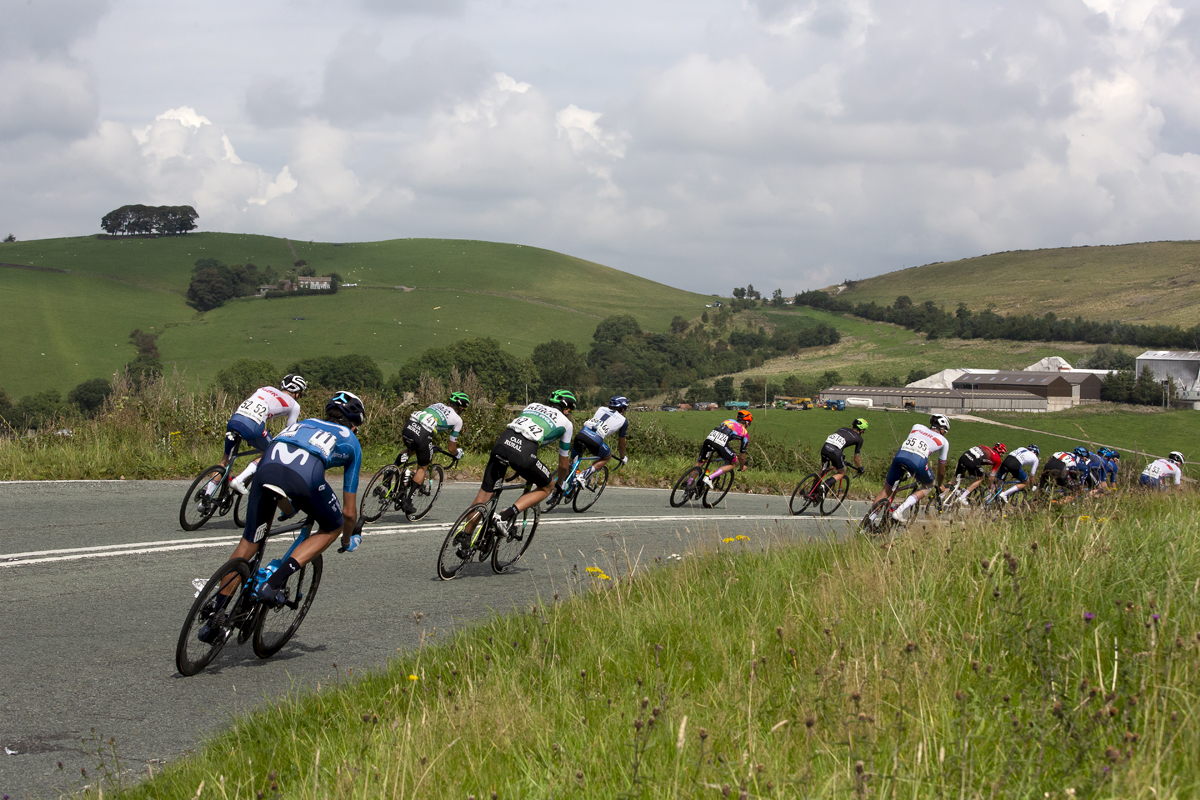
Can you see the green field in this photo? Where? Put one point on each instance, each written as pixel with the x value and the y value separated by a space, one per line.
pixel 519 295
pixel 1149 283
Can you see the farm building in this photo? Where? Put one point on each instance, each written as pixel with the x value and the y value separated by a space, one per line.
pixel 936 401
pixel 1060 389
pixel 1182 366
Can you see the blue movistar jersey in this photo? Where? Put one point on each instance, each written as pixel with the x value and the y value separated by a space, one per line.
pixel 1111 465
pixel 1096 466
pixel 336 446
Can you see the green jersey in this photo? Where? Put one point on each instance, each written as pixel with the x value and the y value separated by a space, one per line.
pixel 545 424
pixel 439 417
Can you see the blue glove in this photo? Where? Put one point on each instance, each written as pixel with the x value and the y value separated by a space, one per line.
pixel 355 541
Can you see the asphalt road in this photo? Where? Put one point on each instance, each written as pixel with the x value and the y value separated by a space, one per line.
pixel 96 578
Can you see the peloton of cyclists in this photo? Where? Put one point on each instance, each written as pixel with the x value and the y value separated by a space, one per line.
pixel 250 422
pixel 913 458
pixel 719 440
pixel 833 452
pixel 981 463
pixel 1158 472
pixel 417 437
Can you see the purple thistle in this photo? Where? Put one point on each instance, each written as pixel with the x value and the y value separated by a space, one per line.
pixel 1154 617
pixel 1049 626
pixel 1088 616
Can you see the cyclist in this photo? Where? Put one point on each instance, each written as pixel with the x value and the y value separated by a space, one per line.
pixel 1157 472
pixel 1112 463
pixel 296 465
pixel 250 422
pixel 535 427
pixel 913 458
pixel 718 441
pixel 981 462
pixel 1064 468
pixel 417 437
pixel 833 452
pixel 606 421
pixel 1022 465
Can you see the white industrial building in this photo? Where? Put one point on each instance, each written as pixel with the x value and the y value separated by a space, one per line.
pixel 1182 366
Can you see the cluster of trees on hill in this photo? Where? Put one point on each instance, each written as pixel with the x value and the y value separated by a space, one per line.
pixel 139 219
pixel 931 319
pixel 214 282
pixel 34 411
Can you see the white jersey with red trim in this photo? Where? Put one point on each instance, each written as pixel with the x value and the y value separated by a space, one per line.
pixel 924 442
pixel 1163 468
pixel 267 403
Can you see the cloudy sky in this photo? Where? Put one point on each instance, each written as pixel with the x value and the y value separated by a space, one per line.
pixel 703 143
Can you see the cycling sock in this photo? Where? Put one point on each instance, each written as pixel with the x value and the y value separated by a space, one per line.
pixel 509 512
pixel 285 571
pixel 1008 492
pixel 248 473
pixel 907 504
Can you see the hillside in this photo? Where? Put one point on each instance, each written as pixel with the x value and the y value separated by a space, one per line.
pixel 1149 283
pixel 69 318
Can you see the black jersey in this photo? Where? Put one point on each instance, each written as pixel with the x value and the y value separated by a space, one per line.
pixel 842 438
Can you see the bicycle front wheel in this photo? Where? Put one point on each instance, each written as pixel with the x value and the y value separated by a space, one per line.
pixel 199 504
pixel 459 545
pixel 210 620
pixel 239 511
pixel 275 626
pixel 687 488
pixel 380 493
pixel 589 491
pixel 803 497
pixel 509 547
pixel 721 487
pixel 423 496
pixel 835 496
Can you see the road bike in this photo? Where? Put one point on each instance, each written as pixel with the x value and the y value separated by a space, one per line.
pixel 994 503
pixel 211 493
pixel 814 490
pixel 950 500
pixel 581 493
pixel 387 489
pixel 878 521
pixel 226 603
pixel 691 485
pixel 476 534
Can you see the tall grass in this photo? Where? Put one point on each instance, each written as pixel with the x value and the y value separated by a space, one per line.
pixel 1053 656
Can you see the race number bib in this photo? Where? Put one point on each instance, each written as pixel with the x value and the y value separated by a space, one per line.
pixel 428 421
pixel 916 444
pixel 528 428
pixel 255 409
pixel 600 426
pixel 976 453
pixel 1155 470
pixel 836 440
pixel 719 438
pixel 323 441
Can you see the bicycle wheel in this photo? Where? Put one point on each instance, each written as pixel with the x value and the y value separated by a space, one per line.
pixel 687 488
pixel 589 491
pixel 878 520
pixel 205 618
pixel 275 626
pixel 198 505
pixel 508 548
pixel 424 496
pixel 380 493
pixel 803 497
pixel 834 497
pixel 239 512
pixel 720 488
pixel 554 498
pixel 458 547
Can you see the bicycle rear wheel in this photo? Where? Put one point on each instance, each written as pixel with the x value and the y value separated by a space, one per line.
pixel 380 494
pixel 803 497
pixel 721 487
pixel 688 487
pixel 878 520
pixel 508 548
pixel 275 626
pixel 423 496
pixel 239 511
pixel 458 547
pixel 589 491
pixel 834 497
pixel 198 504
pixel 211 617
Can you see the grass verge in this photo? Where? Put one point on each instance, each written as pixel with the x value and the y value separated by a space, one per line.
pixel 1053 656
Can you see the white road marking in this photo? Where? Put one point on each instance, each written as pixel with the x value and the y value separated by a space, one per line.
pixel 172 545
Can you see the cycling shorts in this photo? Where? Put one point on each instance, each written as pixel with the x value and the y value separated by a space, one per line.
pixel 1011 465
pixel 969 467
pixel 1057 470
pixel 253 433
pixel 1151 483
pixel 514 451
pixel 833 455
pixel 416 437
pixel 722 450
pixel 909 464
pixel 303 481
pixel 587 439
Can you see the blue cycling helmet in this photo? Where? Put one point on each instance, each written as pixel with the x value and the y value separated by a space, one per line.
pixel 348 406
pixel 618 403
pixel 1082 452
pixel 1034 448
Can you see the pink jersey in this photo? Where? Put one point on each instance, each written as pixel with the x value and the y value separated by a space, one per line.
pixel 738 428
pixel 268 403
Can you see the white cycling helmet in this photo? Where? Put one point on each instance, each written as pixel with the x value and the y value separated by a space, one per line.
pixel 1176 456
pixel 939 421
pixel 293 383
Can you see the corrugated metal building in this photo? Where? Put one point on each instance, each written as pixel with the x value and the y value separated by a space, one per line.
pixel 1182 366
pixel 937 401
pixel 1053 386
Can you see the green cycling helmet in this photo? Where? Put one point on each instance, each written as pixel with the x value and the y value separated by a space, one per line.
pixel 564 398
pixel 859 424
pixel 460 399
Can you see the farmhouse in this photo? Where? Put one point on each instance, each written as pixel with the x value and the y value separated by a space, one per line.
pixel 306 282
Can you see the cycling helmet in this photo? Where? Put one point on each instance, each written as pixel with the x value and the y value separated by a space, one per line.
pixel 564 398
pixel 859 424
pixel 293 384
pixel 460 399
pixel 348 405
pixel 1034 449
pixel 1114 453
pixel 1176 456
pixel 1000 448
pixel 1083 452
pixel 939 421
pixel 618 403
pixel 745 417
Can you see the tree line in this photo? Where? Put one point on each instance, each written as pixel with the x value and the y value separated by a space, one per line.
pixel 140 220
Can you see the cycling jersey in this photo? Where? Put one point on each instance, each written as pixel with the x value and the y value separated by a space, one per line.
pixel 922 442
pixel 1026 458
pixel 545 424
pixel 978 460
pixel 335 445
pixel 606 422
pixel 439 418
pixel 1096 468
pixel 842 438
pixel 267 403
pixel 730 429
pixel 1111 465
pixel 1068 460
pixel 1162 469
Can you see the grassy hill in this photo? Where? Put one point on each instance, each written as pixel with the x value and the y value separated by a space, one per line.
pixel 1149 283
pixel 69 318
